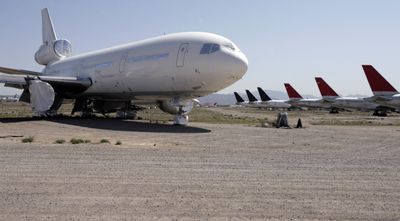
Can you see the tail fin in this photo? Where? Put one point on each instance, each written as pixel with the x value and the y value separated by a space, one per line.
pixel 292 93
pixel 379 85
pixel 48 33
pixel 325 89
pixel 251 96
pixel 239 99
pixel 264 96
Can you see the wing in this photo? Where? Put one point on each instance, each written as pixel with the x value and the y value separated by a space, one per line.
pixel 65 85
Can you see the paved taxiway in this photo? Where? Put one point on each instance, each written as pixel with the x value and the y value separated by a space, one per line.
pixel 199 172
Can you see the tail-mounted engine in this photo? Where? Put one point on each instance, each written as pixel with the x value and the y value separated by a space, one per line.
pixel 53 51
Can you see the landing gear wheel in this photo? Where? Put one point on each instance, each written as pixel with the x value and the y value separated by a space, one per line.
pixel 181 120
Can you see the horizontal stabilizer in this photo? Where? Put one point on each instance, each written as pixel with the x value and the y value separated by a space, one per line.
pixel 379 85
pixel 264 96
pixel 292 93
pixel 325 89
pixel 251 96
pixel 18 71
pixel 239 99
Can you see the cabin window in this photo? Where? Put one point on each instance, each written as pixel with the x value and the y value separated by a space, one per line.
pixel 209 48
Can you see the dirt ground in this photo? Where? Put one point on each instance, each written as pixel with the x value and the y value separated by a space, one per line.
pixel 200 172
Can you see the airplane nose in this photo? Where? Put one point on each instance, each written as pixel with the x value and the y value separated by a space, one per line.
pixel 243 64
pixel 238 65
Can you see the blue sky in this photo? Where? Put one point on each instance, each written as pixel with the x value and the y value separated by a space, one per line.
pixel 285 41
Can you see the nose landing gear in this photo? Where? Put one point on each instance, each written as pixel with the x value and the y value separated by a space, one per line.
pixel 181 119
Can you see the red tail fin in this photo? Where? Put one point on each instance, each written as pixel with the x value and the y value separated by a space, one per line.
pixel 292 93
pixel 379 85
pixel 325 89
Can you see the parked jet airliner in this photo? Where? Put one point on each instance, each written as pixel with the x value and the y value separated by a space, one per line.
pixel 266 101
pixel 169 70
pixel 338 102
pixel 383 92
pixel 296 100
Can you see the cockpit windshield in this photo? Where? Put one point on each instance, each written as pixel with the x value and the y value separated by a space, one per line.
pixel 209 48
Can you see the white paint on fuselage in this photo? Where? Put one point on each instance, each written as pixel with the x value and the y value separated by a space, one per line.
pixel 309 103
pixel 274 104
pixel 164 67
pixel 354 103
pixel 390 101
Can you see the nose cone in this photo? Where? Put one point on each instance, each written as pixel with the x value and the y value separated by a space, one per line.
pixel 237 65
pixel 242 64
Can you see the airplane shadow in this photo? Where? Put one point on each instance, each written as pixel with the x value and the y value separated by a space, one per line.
pixel 114 124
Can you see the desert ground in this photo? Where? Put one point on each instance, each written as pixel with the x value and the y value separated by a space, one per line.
pixel 223 166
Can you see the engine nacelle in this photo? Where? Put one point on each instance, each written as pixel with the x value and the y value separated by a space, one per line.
pixel 176 107
pixel 53 51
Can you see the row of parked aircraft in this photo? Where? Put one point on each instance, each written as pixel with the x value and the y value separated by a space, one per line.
pixel 385 97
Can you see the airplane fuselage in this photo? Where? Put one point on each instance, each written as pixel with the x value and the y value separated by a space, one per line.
pixel 183 65
pixel 354 103
pixel 309 103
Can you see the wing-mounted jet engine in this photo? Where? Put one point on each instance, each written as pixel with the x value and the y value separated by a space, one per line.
pixel 179 108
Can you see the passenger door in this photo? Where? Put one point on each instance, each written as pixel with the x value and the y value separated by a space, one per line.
pixel 183 50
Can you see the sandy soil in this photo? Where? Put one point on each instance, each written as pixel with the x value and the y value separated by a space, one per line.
pixel 205 171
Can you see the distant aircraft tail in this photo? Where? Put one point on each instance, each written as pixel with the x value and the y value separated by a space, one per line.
pixel 292 93
pixel 325 89
pixel 379 85
pixel 239 99
pixel 251 96
pixel 264 96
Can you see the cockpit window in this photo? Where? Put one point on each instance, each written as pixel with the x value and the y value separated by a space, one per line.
pixel 209 48
pixel 214 48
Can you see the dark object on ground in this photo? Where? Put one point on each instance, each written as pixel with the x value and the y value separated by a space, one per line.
pixel 282 120
pixel 299 124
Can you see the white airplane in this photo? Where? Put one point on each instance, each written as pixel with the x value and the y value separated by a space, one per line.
pixel 273 103
pixel 240 101
pixel 295 99
pixel 338 102
pixel 383 92
pixel 254 102
pixel 169 70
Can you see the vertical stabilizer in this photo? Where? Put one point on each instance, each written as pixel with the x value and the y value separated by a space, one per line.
pixel 48 34
pixel 239 99
pixel 292 93
pixel 379 85
pixel 325 89
pixel 251 96
pixel 264 96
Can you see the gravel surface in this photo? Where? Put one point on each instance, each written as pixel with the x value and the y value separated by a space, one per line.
pixel 205 171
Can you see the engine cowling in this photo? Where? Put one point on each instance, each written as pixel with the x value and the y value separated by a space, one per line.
pixel 176 107
pixel 53 51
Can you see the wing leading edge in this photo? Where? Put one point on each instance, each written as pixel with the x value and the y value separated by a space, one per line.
pixel 16 77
